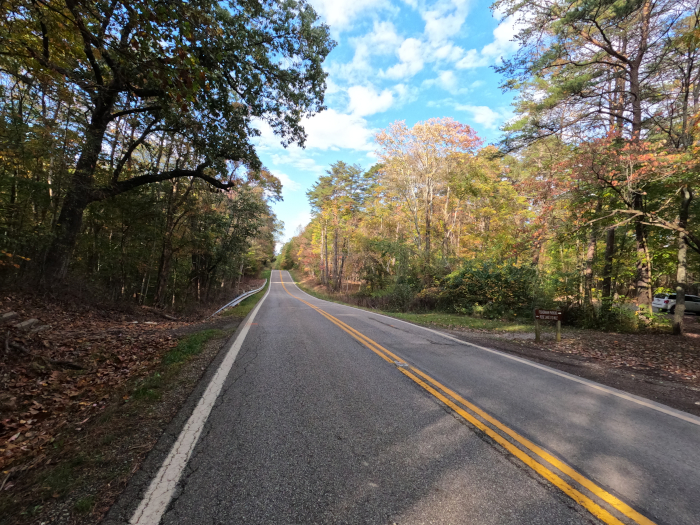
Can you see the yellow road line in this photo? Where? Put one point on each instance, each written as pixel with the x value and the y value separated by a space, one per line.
pixel 354 333
pixel 563 467
pixel 577 496
pixel 570 491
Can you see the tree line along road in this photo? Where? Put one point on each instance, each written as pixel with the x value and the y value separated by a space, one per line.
pixel 323 413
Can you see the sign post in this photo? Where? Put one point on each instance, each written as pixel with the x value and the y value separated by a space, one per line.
pixel 547 315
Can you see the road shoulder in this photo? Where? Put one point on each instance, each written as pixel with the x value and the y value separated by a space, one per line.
pixel 650 383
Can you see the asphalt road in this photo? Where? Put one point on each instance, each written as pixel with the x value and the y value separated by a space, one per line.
pixel 314 426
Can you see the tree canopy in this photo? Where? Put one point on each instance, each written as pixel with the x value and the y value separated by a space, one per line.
pixel 129 79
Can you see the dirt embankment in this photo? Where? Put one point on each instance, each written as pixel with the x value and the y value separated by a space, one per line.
pixel 86 391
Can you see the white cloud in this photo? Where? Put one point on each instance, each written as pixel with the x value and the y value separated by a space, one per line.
pixel 339 14
pixel 382 40
pixel 411 60
pixel 367 101
pixel 300 220
pixel 287 183
pixel 445 19
pixel 447 80
pixel 502 46
pixel 472 59
pixel 406 93
pixel 290 228
pixel 267 138
pixel 503 43
pixel 331 87
pixel 333 130
pixel 328 130
pixel 296 157
pixel 448 52
pixel 442 103
pixel 486 116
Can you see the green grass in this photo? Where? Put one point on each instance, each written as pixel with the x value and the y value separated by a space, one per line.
pixel 244 307
pixel 191 345
pixel 462 321
pixel 85 505
pixel 64 477
pixel 441 319
pixel 150 388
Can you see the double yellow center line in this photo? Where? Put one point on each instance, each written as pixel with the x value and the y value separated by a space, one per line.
pixel 469 412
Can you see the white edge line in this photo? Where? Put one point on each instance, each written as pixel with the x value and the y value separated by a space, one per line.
pixel 690 418
pixel 162 487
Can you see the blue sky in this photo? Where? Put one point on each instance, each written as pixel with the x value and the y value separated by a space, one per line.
pixel 395 60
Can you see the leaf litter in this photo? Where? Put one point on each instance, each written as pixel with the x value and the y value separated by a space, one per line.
pixel 66 374
pixel 60 383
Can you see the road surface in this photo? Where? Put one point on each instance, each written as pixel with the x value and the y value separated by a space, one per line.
pixel 331 414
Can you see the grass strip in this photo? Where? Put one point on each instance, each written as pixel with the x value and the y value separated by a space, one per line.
pixel 441 319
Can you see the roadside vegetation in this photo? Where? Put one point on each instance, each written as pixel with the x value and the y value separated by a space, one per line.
pixel 428 318
pixel 132 205
pixel 127 164
pixel 246 305
pixel 587 204
pixel 75 431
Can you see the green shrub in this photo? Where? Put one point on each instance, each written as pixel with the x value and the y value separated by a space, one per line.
pixel 490 289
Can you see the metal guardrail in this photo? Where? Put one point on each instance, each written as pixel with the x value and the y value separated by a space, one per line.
pixel 238 299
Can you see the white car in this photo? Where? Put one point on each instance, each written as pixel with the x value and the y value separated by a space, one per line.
pixel 666 302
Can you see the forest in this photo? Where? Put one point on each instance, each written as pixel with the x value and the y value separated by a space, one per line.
pixel 587 203
pixel 127 163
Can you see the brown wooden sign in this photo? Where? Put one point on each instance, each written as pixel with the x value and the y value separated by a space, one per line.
pixel 548 315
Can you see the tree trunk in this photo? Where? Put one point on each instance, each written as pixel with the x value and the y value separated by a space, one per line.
pixel 166 253
pixel 78 195
pixel 428 213
pixel 335 257
pixel 321 265
pixel 608 268
pixel 166 257
pixel 536 252
pixel 428 226
pixel 66 233
pixel 590 257
pixel 681 272
pixel 325 244
pixel 588 271
pixel 238 282
pixel 339 278
pixel 643 270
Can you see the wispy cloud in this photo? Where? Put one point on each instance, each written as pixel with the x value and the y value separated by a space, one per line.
pixel 287 183
pixel 339 14
pixel 366 100
pixel 484 115
pixel 502 46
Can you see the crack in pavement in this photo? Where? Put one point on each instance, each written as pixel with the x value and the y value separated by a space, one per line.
pixel 410 333
pixel 164 485
pixel 238 372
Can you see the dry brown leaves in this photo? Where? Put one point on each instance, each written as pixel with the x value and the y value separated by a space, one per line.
pixel 671 357
pixel 65 375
